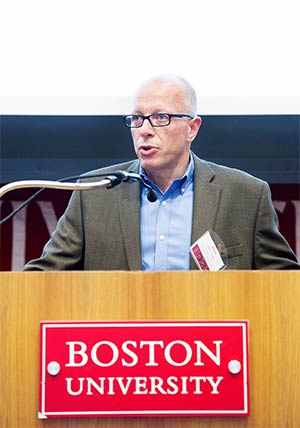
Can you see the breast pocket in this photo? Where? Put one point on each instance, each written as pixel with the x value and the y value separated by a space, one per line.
pixel 234 251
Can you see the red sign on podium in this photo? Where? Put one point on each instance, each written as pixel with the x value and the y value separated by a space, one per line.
pixel 98 369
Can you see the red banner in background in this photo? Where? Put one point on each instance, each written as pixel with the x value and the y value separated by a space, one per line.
pixel 24 236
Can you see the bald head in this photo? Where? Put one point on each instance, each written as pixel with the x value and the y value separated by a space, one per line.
pixel 177 84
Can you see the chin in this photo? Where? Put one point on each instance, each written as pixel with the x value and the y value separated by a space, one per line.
pixel 149 165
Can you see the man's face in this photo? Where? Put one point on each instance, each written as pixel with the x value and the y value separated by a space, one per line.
pixel 163 149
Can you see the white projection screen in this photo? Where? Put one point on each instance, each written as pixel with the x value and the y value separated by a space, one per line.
pixel 87 57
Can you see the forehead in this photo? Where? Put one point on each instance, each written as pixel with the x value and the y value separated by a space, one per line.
pixel 158 96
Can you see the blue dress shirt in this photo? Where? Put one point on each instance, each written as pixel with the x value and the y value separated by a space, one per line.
pixel 166 225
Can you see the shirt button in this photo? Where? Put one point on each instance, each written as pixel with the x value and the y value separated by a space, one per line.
pixel 161 237
pixel 164 203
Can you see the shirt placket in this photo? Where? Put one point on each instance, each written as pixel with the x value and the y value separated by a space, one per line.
pixel 162 234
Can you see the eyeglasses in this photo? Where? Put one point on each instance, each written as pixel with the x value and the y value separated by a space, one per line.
pixel 156 119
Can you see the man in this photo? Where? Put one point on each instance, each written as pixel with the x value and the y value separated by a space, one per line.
pixel 120 229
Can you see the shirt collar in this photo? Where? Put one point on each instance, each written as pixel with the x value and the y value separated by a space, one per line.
pixel 181 182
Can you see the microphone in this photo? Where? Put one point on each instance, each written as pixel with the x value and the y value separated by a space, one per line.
pixel 129 177
pixel 151 194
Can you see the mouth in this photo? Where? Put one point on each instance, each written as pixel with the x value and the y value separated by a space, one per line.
pixel 147 150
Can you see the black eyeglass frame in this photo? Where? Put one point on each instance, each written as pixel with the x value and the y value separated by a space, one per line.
pixel 170 115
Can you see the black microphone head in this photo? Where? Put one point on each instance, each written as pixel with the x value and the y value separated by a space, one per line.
pixel 151 195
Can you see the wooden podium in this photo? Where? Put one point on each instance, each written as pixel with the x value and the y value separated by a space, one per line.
pixel 269 300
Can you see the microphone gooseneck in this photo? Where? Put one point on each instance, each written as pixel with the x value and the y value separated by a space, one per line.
pixel 109 181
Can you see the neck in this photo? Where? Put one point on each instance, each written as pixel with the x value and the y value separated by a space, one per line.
pixel 164 178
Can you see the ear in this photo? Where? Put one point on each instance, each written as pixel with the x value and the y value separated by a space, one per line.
pixel 195 125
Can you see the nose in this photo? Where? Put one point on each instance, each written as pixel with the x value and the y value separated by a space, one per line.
pixel 146 128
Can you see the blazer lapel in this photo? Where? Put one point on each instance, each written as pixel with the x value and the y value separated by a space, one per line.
pixel 206 200
pixel 129 211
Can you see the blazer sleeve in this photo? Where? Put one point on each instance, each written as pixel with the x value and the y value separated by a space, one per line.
pixel 271 250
